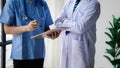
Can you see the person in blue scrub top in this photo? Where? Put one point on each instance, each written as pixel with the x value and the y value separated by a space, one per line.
pixel 23 19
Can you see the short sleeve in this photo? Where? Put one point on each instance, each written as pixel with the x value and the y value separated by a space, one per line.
pixel 8 14
pixel 49 20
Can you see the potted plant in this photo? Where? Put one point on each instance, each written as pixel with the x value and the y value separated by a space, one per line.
pixel 113 53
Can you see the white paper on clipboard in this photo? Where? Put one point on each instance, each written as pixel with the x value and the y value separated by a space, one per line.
pixel 42 35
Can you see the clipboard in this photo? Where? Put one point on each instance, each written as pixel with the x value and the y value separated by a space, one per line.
pixel 44 34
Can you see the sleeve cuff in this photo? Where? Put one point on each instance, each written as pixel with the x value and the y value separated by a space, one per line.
pixel 67 23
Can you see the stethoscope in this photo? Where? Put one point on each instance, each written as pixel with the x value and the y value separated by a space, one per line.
pixel 26 17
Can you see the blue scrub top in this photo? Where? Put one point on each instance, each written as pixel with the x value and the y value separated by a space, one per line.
pixel 14 13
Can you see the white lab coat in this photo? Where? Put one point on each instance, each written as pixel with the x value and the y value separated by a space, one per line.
pixel 78 47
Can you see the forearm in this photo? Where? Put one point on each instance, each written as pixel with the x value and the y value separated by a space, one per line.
pixel 33 25
pixel 60 19
pixel 14 30
pixel 59 22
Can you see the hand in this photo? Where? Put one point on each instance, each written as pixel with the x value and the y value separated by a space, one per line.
pixel 63 19
pixel 54 35
pixel 32 25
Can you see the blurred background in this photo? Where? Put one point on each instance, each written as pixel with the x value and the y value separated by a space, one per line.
pixel 53 48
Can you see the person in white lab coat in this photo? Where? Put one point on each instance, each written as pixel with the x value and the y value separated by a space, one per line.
pixel 78 42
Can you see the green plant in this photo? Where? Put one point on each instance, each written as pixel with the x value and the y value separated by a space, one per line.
pixel 113 53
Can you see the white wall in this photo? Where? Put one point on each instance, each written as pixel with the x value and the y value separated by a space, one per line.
pixel 53 46
pixel 108 8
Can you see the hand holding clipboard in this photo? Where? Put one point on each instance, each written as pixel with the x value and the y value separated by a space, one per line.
pixel 53 33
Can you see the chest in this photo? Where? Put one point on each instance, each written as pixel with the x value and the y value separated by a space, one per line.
pixel 27 12
pixel 79 11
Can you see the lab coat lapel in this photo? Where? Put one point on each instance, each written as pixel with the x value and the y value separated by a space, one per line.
pixel 78 9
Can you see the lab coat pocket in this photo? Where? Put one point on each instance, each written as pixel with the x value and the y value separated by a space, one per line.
pixel 77 47
pixel 77 54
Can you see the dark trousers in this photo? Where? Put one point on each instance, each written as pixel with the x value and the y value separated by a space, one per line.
pixel 37 63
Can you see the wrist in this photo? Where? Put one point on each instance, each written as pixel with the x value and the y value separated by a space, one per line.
pixel 25 29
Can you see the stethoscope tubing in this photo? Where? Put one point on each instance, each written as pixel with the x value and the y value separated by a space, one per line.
pixel 26 17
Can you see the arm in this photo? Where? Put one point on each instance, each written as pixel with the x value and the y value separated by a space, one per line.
pixel 20 29
pixel 86 21
pixel 14 30
pixel 62 16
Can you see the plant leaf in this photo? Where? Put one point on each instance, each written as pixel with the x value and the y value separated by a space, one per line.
pixel 118 44
pixel 116 61
pixel 111 24
pixel 118 66
pixel 112 44
pixel 115 22
pixel 111 52
pixel 118 39
pixel 108 35
pixel 107 57
pixel 113 32
pixel 118 53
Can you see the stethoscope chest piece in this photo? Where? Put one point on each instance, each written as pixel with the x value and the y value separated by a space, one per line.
pixel 25 18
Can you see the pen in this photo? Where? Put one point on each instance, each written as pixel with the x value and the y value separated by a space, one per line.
pixel 26 18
